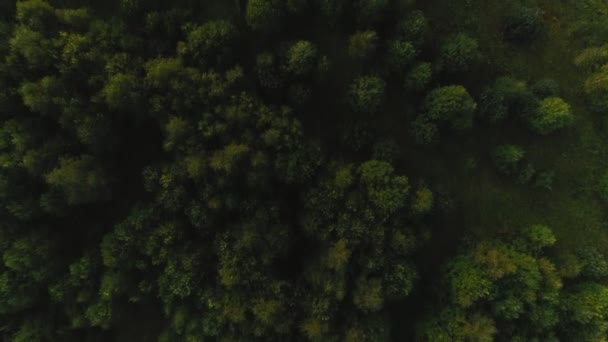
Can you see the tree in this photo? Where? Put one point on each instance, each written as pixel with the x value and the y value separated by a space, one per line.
pixel 37 15
pixel 370 11
pixel 522 25
pixel 362 44
pixel 507 158
pixel 121 91
pixel 414 27
pixel 366 94
pixel 209 43
pixel 264 15
pixel 419 77
pixel 546 87
pixel 451 104
pixel 401 54
pixel 79 180
pixel 459 53
pixel 553 114
pixel 507 97
pixel 301 58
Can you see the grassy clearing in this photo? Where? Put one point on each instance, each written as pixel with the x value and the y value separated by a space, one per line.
pixel 490 202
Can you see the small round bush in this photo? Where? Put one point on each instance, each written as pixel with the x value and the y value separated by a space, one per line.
pixel 301 58
pixel 414 27
pixel 522 25
pixel 507 158
pixel 553 114
pixel 366 94
pixel 400 55
pixel 459 53
pixel 419 77
pixel 546 87
pixel 362 44
pixel 387 150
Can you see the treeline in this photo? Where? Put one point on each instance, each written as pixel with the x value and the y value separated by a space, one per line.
pixel 160 174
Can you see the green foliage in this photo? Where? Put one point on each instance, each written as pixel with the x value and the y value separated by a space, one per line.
pixel 419 77
pixel 401 54
pixel 507 97
pixel 459 53
pixel 208 44
pixel 546 88
pixel 264 15
pixel 553 114
pixel 370 11
pixel 414 27
pixel 450 104
pixel 366 94
pixel 522 25
pixel 121 92
pixel 507 158
pixel 301 58
pixel 79 180
pixel 362 44
pixel 602 186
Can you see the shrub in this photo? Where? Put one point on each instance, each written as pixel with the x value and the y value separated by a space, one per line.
pixel 459 53
pixel 301 58
pixel 414 27
pixel 366 94
pixel 451 104
pixel 419 77
pixel 400 55
pixel 546 87
pixel 362 44
pixel 507 158
pixel 522 25
pixel 553 114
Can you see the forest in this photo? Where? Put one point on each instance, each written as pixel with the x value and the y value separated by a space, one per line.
pixel 304 170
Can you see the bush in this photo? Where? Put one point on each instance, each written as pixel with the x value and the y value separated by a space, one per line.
pixel 546 88
pixel 301 58
pixel 267 71
pixel 596 87
pixel 366 94
pixel 264 15
pixel 387 150
pixel 400 55
pixel 507 158
pixel 419 77
pixel 522 25
pixel 592 58
pixel 414 27
pixel 451 104
pixel 505 98
pixel 370 11
pixel 362 44
pixel 459 53
pixel 553 114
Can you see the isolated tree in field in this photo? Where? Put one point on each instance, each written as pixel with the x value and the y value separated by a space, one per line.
pixel 362 44
pixel 301 58
pixel 401 54
pixel 209 44
pixel 553 114
pixel 264 15
pixel 413 28
pixel 366 94
pixel 419 77
pixel 450 104
pixel 507 158
pixel 370 11
pixel 522 25
pixel 459 53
